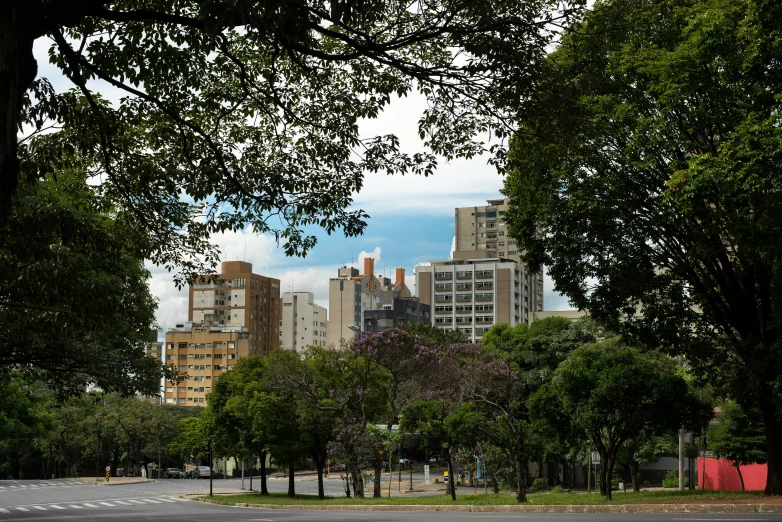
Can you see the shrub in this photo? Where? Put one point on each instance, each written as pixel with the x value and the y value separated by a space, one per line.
pixel 671 480
pixel 538 483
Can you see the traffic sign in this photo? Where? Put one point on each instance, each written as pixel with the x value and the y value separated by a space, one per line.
pixel 595 457
pixel 108 468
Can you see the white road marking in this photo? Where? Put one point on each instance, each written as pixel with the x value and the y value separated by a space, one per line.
pixel 167 500
pixel 152 501
pixel 40 507
pixel 75 506
pixel 22 509
pixel 55 506
pixel 3 510
pixel 106 504
pixel 90 505
pixel 136 501
pixel 121 502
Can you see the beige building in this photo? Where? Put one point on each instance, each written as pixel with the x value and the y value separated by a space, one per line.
pixel 241 299
pixel 481 232
pixel 302 322
pixel 204 351
pixel 471 295
pixel 352 293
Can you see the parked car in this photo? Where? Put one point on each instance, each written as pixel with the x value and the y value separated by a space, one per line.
pixel 205 472
pixel 173 473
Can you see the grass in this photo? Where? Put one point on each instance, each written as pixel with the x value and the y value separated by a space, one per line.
pixel 644 497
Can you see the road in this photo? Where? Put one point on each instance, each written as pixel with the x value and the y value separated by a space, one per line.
pixel 72 500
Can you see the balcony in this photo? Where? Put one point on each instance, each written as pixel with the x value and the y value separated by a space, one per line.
pixel 439 276
pixel 484 298
pixel 484 274
pixel 463 275
pixel 443 312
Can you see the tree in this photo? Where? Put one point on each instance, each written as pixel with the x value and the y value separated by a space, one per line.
pixel 405 364
pixel 252 110
pixel 610 392
pixel 74 300
pixel 228 417
pixel 645 178
pixel 738 436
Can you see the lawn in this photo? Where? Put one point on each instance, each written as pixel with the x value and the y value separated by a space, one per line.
pixel 644 497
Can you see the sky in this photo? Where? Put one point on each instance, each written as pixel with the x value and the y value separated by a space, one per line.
pixel 411 218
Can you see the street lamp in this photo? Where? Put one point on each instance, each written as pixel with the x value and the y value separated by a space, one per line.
pixel 355 328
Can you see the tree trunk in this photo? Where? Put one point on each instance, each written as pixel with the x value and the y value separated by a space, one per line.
pixel 18 69
pixel 264 490
pixel 319 465
pixel 610 472
pixel 773 428
pixel 451 478
pixel 741 478
pixel 634 475
pixel 521 480
pixel 378 477
pixel 494 484
pixel 291 481
pixel 358 481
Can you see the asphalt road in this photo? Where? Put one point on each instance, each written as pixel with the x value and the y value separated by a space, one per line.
pixel 71 500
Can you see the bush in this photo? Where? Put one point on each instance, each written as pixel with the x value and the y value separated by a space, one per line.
pixel 556 489
pixel 614 483
pixel 538 483
pixel 671 480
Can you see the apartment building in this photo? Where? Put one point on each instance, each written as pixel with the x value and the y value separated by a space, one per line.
pixel 238 298
pixel 352 294
pixel 204 351
pixel 154 350
pixel 471 295
pixel 302 322
pixel 481 232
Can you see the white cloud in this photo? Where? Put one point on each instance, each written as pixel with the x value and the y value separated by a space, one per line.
pixel 375 254
pixel 453 247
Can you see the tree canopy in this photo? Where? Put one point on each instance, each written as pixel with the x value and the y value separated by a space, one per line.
pixel 242 113
pixel 645 177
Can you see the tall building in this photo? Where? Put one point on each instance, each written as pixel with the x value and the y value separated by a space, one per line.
pixel 155 350
pixel 471 295
pixel 241 299
pixel 203 351
pixel 481 233
pixel 302 322
pixel 352 294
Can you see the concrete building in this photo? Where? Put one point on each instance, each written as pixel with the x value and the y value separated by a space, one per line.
pixel 352 293
pixel 154 350
pixel 392 314
pixel 302 322
pixel 204 351
pixel 241 299
pixel 471 295
pixel 481 232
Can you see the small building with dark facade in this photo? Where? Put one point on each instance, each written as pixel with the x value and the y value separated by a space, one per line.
pixel 394 312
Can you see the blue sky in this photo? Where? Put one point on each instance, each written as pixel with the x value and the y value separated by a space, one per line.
pixel 411 217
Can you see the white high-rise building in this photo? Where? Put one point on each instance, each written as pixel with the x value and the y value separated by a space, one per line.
pixel 302 322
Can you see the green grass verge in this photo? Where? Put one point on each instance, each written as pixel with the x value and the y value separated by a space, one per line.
pixel 647 497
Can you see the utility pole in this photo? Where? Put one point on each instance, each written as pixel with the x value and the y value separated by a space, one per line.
pixel 209 450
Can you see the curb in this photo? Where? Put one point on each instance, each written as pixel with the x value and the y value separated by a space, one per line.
pixel 514 508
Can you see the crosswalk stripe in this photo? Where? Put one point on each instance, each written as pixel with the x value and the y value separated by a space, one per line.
pixel 22 509
pixel 90 505
pixel 106 504
pixel 55 506
pixel 152 501
pixel 135 501
pixel 121 502
pixel 180 499
pixel 40 507
pixel 167 500
pixel 3 510
pixel 75 506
